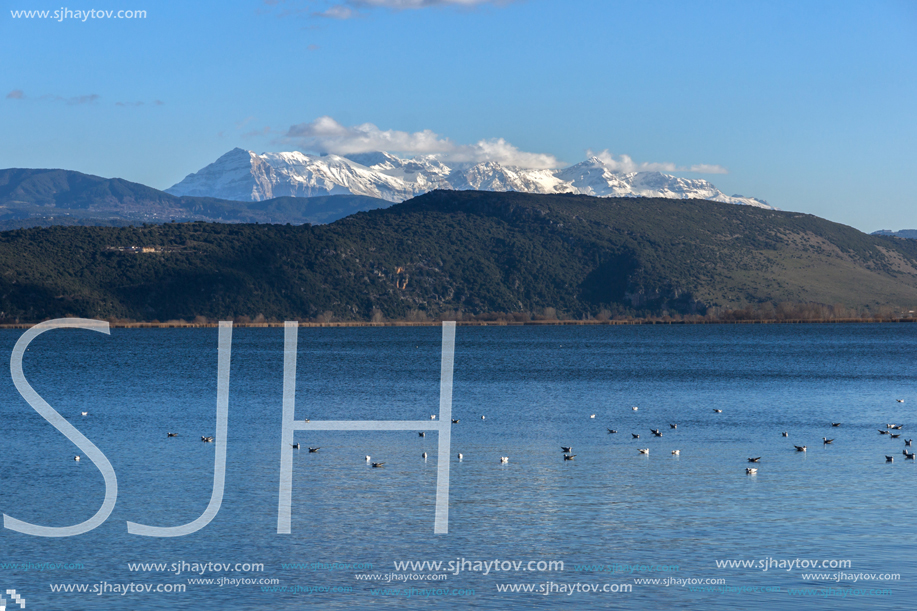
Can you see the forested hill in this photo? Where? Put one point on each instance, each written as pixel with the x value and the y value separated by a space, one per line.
pixel 449 251
pixel 42 198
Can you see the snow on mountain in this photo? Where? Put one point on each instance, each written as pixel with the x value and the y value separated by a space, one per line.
pixel 491 176
pixel 245 176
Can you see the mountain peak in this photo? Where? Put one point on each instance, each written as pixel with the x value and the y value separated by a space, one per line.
pixel 246 176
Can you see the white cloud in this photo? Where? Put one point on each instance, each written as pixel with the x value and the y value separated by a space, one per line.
pixel 504 153
pixel 348 9
pixel 337 11
pixel 625 164
pixel 74 101
pixel 325 135
pixel 415 4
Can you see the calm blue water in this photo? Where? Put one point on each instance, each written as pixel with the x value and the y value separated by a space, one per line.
pixel 537 388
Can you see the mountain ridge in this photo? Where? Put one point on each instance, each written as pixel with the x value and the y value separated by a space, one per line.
pixel 447 253
pixel 43 197
pixel 242 174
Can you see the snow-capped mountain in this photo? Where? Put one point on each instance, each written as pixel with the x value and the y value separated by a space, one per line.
pixel 246 176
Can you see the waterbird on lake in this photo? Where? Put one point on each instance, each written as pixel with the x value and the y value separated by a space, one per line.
pixel 421 434
pixel 367 458
pixel 754 459
pixel 785 434
pixel 894 436
pixel 504 459
pixel 612 431
pixel 84 413
pixel 635 408
pixel 635 436
pixel 800 448
pixel 482 417
pixel 657 433
pixel 306 420
pixel 76 458
pixel 889 459
pixel 909 454
pixel 566 449
pixel 644 450
pixel 718 411
pixel 674 426
pixel 890 426
pixel 378 464
pixel 835 424
pixel 907 442
pixel 455 421
pixel 432 416
pixel 314 450
pixel 898 427
pixel 569 456
pixel 827 441
pixel 676 452
pixel 592 416
pixel 900 400
pixel 460 456
pixel 295 446
pixel 881 432
pixel 424 455
pixel 207 439
pixel 751 471
pixel 172 434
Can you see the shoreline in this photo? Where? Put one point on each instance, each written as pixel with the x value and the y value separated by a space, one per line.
pixel 482 323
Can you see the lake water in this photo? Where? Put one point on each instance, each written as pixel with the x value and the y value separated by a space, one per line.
pixel 671 517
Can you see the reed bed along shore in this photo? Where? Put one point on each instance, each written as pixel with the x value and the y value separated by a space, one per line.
pixel 482 323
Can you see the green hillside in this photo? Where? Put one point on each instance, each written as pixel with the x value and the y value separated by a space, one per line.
pixel 447 251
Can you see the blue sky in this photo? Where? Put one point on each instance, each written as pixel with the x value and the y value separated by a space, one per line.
pixel 807 105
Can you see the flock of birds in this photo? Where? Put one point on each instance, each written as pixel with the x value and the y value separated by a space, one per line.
pixel 753 470
pixel 569 455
